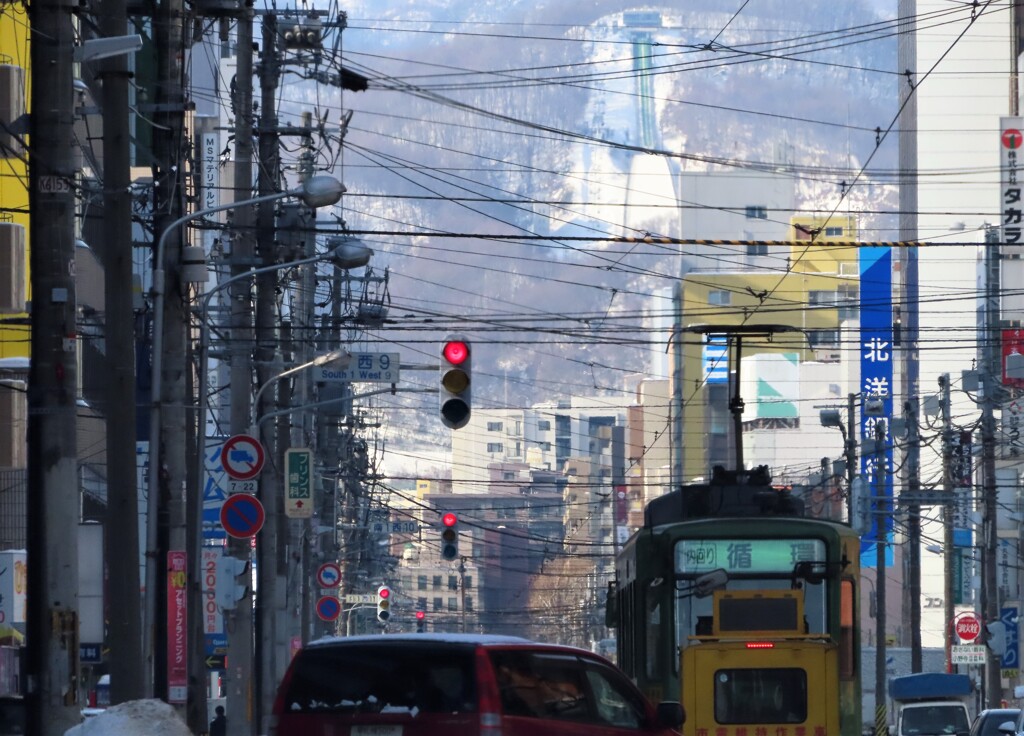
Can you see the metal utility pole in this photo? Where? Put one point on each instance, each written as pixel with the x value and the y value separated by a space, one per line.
pixel 238 622
pixel 850 453
pixel 881 511
pixel 51 664
pixel 124 627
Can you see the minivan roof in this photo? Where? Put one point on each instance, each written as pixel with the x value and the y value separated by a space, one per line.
pixel 483 639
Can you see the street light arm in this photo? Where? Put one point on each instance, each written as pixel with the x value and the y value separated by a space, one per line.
pixel 317 361
pixel 330 402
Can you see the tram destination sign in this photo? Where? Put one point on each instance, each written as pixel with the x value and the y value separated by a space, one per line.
pixel 746 555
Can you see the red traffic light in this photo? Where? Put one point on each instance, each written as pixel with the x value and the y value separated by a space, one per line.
pixel 455 352
pixel 384 592
pixel 420 615
pixel 449 519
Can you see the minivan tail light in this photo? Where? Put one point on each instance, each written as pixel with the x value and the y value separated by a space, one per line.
pixel 489 698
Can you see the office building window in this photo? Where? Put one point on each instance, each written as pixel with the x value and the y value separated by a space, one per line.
pixel 437 604
pixel 493 426
pixel 437 582
pixel 719 297
pixel 421 582
pixel 757 212
pixel 453 582
pixel 493 447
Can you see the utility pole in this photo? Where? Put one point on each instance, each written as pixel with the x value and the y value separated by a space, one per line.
pixel 269 547
pixel 912 479
pixel 948 514
pixel 238 622
pixel 124 627
pixel 990 543
pixel 51 664
pixel 166 548
pixel 881 512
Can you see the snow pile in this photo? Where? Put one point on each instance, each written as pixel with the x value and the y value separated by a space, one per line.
pixel 134 718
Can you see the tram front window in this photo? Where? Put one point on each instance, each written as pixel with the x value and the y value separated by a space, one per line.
pixel 747 696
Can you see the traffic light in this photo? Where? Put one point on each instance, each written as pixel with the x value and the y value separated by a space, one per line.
pixel 996 639
pixel 421 619
pixel 300 32
pixel 455 382
pixel 383 603
pixel 449 536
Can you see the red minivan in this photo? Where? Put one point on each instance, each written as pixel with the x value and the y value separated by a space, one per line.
pixel 460 685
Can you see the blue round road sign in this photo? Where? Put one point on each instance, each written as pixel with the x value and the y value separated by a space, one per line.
pixel 242 515
pixel 328 608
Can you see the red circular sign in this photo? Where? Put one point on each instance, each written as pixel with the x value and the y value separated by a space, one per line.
pixel 1012 138
pixel 242 457
pixel 242 515
pixel 967 627
pixel 328 608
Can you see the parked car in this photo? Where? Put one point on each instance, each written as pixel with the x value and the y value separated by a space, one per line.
pixel 1008 722
pixel 471 685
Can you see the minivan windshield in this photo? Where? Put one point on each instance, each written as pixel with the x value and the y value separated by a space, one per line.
pixel 378 678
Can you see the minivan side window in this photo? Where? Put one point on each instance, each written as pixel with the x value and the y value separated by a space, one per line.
pixel 564 688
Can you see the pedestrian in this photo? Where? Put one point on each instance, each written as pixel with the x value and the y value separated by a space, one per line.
pixel 219 725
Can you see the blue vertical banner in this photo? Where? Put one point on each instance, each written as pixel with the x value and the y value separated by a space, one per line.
pixel 1011 656
pixel 876 359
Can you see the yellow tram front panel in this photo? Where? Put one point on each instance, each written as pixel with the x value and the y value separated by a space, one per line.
pixel 761 688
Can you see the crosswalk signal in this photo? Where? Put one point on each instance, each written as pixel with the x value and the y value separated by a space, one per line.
pixel 455 382
pixel 449 536
pixel 383 603
pixel 421 619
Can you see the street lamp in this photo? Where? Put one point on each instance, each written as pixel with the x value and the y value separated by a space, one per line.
pixel 317 191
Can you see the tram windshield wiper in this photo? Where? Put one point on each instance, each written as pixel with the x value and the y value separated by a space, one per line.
pixel 706 584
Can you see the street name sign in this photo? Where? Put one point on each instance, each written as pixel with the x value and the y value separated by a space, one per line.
pixel 360 598
pixel 363 368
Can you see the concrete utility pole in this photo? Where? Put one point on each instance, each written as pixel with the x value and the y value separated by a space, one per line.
pixel 881 512
pixel 124 627
pixel 990 543
pixel 912 484
pixel 51 664
pixel 168 426
pixel 948 513
pixel 270 548
pixel 238 622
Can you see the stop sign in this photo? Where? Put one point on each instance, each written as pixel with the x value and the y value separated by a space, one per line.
pixel 968 627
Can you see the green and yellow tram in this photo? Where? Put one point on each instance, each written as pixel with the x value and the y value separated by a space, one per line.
pixel 736 603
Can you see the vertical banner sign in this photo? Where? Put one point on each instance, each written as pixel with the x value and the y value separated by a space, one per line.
pixel 876 360
pixel 1011 141
pixel 211 161
pixel 963 539
pixel 1010 664
pixel 298 483
pixel 177 628
pixel 212 621
pixel 215 481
